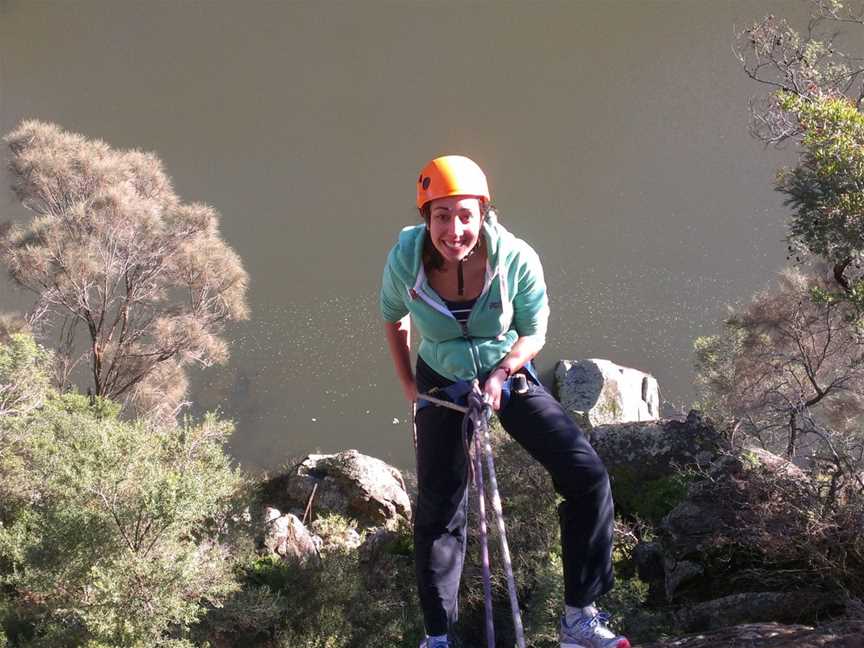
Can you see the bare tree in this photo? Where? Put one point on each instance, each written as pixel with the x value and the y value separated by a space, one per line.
pixel 792 375
pixel 116 259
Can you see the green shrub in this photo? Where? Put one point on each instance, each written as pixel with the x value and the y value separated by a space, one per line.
pixel 24 376
pixel 107 530
pixel 350 599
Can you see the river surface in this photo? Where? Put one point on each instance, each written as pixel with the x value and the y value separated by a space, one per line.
pixel 614 135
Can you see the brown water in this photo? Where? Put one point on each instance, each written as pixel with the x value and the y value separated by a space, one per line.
pixel 614 135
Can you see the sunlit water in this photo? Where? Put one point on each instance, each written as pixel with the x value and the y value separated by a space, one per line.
pixel 614 135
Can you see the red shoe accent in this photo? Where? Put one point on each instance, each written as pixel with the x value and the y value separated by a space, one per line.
pixel 624 643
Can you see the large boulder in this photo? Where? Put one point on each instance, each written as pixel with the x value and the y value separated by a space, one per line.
pixel 599 392
pixel 646 461
pixel 744 503
pixel 737 548
pixel 349 483
pixel 656 449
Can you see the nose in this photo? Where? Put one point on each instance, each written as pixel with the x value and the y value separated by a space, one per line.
pixel 457 227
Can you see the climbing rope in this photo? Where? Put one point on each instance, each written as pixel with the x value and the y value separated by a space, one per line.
pixel 476 417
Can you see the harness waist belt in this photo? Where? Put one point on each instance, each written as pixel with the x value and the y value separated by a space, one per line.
pixel 457 393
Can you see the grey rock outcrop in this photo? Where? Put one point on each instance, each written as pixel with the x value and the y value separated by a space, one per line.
pixel 349 483
pixel 723 509
pixel 777 464
pixel 653 450
pixel 286 536
pixel 599 392
pixel 782 607
pixel 648 558
pixel 719 545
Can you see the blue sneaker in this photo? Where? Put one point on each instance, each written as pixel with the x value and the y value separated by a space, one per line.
pixel 590 632
pixel 428 642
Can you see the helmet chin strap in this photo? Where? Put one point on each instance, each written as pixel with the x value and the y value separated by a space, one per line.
pixel 459 276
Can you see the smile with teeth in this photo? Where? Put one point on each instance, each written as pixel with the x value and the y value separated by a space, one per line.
pixel 454 245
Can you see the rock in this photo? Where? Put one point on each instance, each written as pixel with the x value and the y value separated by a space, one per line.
pixel 746 515
pixel 677 572
pixel 286 536
pixel 383 542
pixel 599 392
pixel 648 557
pixel 847 634
pixel 650 463
pixel 779 465
pixel 349 483
pixel 648 560
pixel 386 561
pixel 690 526
pixel 653 450
pixel 721 507
pixel 749 607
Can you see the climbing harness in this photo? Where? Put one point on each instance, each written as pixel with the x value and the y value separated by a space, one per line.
pixel 477 413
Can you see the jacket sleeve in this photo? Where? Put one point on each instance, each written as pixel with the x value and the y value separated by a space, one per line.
pixel 530 303
pixel 392 297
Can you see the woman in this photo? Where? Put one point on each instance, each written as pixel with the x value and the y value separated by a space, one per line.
pixel 478 299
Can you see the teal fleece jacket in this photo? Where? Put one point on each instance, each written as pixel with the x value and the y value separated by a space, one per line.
pixel 513 303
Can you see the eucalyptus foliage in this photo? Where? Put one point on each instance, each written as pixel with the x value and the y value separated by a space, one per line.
pixel 826 188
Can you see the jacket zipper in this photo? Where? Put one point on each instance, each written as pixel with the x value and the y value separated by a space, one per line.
pixel 475 355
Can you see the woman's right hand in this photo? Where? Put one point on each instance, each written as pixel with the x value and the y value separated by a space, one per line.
pixel 410 391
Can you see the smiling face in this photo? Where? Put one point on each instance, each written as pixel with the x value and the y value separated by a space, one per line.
pixel 455 225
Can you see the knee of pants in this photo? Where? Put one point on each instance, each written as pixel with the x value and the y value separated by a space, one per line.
pixel 590 480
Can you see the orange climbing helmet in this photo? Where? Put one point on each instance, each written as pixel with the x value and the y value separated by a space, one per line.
pixel 451 175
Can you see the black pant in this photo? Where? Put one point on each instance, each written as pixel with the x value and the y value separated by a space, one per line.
pixel 541 426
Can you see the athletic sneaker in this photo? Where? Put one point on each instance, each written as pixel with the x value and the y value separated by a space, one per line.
pixel 434 643
pixel 590 632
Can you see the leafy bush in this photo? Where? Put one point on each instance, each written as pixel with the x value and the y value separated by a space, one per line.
pixel 24 379
pixel 355 599
pixel 107 527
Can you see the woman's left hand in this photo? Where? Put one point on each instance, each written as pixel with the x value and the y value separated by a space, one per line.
pixel 492 388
